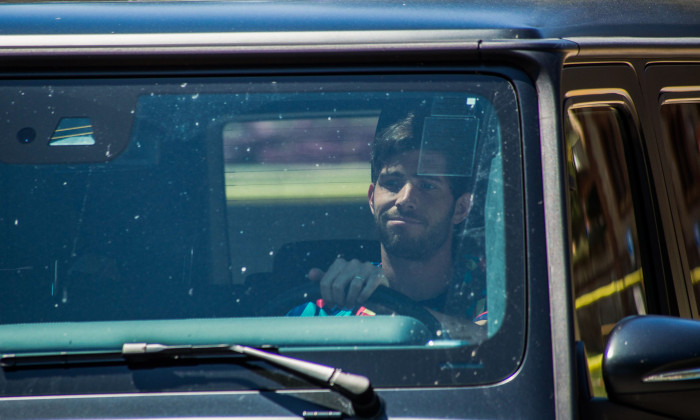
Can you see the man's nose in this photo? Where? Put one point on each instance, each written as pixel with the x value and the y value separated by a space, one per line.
pixel 406 198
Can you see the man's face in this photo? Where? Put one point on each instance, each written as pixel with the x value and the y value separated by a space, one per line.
pixel 415 213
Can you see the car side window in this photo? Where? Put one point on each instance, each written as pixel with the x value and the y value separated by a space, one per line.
pixel 681 128
pixel 604 244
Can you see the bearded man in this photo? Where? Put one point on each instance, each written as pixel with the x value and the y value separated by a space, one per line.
pixel 418 203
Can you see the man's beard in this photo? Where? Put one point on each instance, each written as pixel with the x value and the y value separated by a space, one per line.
pixel 418 248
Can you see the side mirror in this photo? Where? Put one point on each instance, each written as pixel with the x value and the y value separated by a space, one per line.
pixel 653 363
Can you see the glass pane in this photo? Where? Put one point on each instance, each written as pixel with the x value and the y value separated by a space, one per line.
pixel 606 268
pixel 222 200
pixel 681 124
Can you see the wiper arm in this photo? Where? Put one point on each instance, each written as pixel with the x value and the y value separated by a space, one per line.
pixel 356 388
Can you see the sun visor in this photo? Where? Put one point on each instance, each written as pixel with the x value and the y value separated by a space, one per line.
pixel 64 123
pixel 451 129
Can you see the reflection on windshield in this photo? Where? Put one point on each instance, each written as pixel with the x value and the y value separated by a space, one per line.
pixel 235 201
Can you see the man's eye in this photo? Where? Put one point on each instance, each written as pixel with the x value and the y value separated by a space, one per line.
pixel 427 186
pixel 392 185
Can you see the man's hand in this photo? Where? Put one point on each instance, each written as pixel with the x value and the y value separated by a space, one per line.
pixel 348 283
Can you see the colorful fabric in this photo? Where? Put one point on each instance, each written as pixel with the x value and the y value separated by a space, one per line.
pixel 481 318
pixel 319 309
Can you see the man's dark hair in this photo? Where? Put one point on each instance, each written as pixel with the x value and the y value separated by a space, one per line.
pixel 403 136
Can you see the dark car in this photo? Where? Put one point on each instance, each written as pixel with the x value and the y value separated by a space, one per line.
pixel 172 173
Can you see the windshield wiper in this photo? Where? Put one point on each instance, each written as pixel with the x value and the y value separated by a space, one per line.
pixel 356 388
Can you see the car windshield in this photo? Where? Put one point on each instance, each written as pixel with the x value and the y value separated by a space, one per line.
pixel 205 210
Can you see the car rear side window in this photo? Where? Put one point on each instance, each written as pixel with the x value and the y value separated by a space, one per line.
pixel 605 253
pixel 681 128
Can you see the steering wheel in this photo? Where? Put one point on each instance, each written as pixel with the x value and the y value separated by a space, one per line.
pixel 384 297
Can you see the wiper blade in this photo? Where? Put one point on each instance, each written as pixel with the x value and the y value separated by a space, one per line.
pixel 356 388
pixel 130 353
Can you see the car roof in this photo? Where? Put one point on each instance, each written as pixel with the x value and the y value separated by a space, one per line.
pixel 488 19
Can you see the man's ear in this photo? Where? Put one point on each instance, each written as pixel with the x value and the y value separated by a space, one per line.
pixel 462 206
pixel 370 197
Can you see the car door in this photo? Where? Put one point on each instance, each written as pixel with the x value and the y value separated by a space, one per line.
pixel 618 250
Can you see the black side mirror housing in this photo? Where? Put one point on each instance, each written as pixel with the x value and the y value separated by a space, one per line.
pixel 653 363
